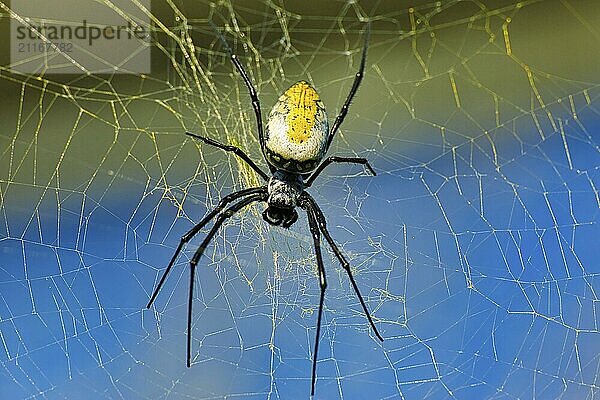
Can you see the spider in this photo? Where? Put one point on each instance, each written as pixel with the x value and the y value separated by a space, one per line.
pixel 295 141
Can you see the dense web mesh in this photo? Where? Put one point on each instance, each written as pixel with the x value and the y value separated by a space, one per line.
pixel 473 246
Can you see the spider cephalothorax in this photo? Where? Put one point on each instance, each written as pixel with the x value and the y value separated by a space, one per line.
pixel 297 138
pixel 284 190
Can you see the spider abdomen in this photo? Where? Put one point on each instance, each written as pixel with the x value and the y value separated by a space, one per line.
pixel 296 133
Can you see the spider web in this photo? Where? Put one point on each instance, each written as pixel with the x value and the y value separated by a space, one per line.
pixel 473 246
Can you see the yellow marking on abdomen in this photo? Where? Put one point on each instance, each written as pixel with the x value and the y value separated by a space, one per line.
pixel 302 101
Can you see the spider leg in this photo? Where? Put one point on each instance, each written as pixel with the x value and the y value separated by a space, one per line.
pixel 357 79
pixel 249 85
pixel 235 150
pixel 335 159
pixel 192 232
pixel 229 212
pixel 323 226
pixel 314 230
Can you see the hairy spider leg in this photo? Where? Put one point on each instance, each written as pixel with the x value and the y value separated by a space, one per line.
pixel 192 232
pixel 314 230
pixel 251 90
pixel 336 159
pixel 235 150
pixel 323 227
pixel 357 79
pixel 228 213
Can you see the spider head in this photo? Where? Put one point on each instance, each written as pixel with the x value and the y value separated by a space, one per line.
pixel 284 190
pixel 280 216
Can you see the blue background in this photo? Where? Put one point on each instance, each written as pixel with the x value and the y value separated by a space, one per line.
pixel 474 246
